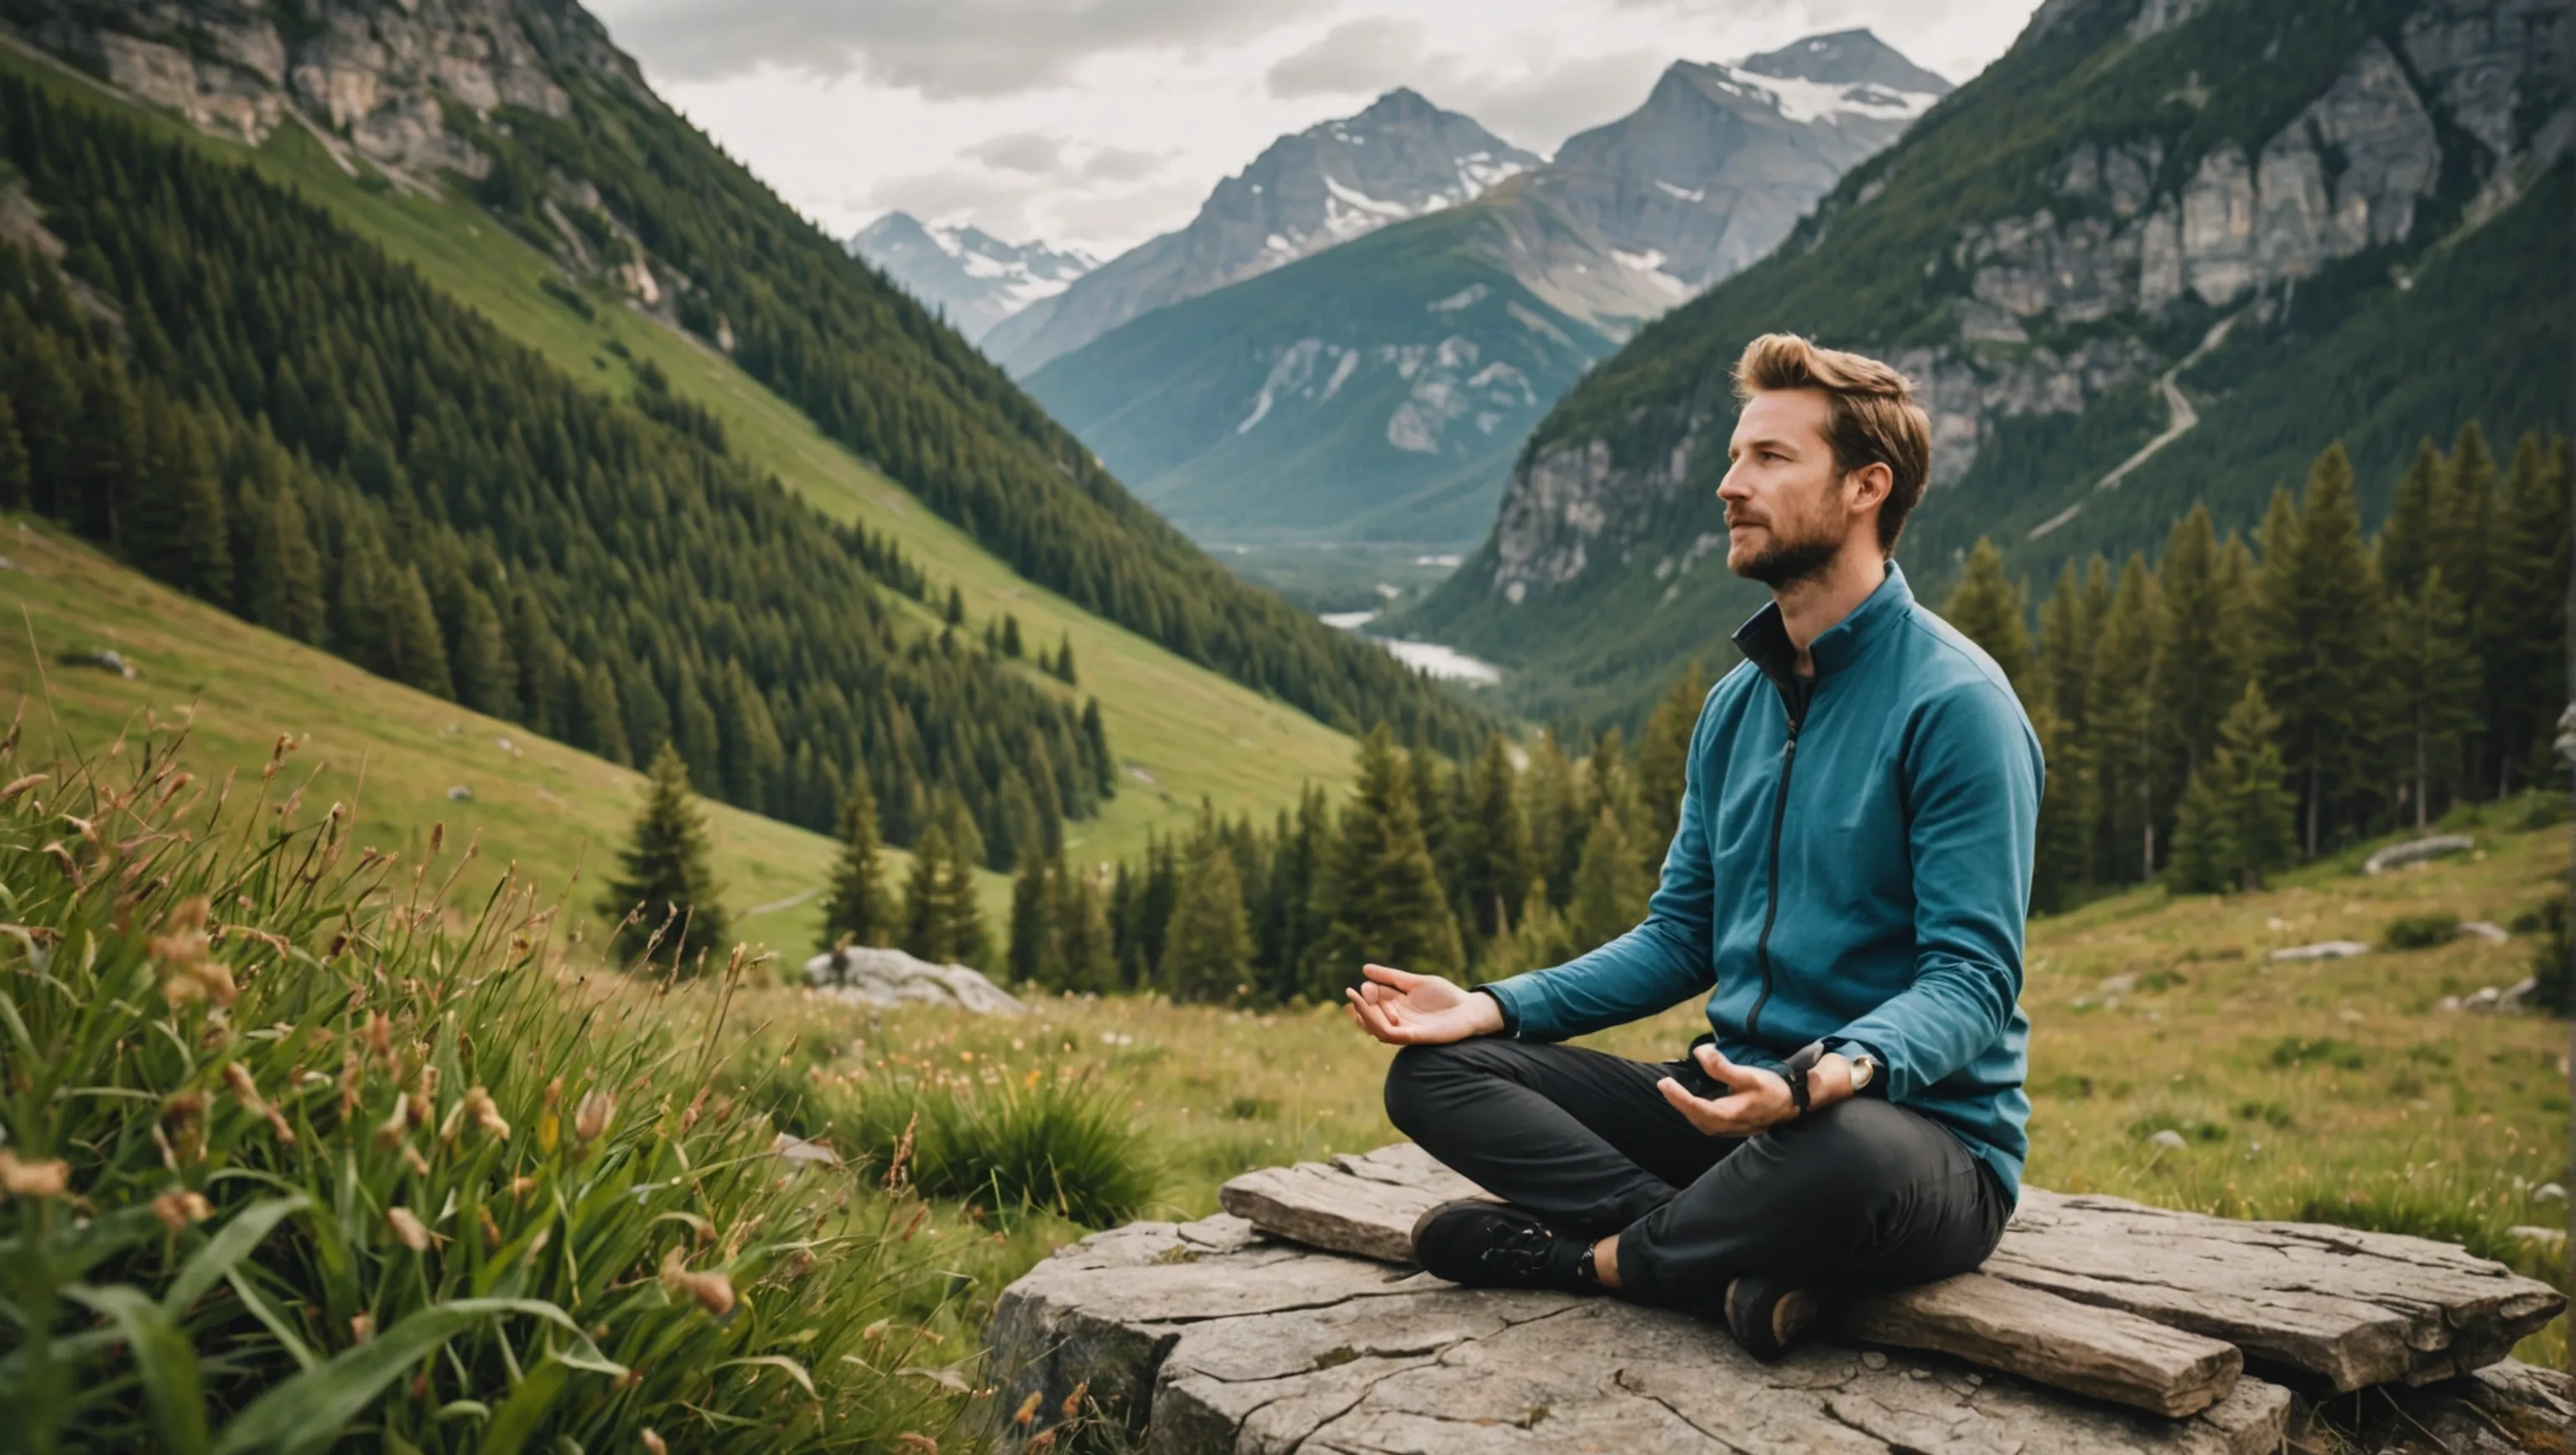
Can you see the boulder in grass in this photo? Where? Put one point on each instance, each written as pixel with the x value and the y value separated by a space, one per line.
pixel 2416 851
pixel 868 975
pixel 2323 950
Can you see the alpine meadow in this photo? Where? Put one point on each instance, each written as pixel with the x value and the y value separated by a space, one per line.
pixel 710 710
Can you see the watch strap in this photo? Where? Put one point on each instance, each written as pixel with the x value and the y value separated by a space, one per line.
pixel 1795 1069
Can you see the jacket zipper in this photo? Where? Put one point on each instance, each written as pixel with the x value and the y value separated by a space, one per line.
pixel 1771 906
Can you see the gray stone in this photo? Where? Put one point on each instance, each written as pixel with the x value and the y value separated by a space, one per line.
pixel 866 975
pixel 2325 950
pixel 2416 851
pixel 1205 1337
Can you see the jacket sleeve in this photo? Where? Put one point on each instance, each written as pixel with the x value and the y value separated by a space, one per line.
pixel 1973 779
pixel 1656 965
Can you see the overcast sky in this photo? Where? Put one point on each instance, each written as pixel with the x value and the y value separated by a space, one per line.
pixel 1102 122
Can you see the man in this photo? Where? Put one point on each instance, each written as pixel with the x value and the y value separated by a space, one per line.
pixel 1847 884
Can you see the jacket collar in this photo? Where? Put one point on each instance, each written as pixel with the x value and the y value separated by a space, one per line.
pixel 1764 638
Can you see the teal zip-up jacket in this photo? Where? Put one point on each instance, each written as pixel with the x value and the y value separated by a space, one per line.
pixel 1857 873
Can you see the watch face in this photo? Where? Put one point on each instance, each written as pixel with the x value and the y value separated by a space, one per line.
pixel 1864 1070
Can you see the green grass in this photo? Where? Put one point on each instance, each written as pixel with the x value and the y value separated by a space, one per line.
pixel 2329 1090
pixel 1184 731
pixel 391 751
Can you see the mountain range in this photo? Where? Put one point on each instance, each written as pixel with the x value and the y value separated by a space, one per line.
pixel 1378 390
pixel 971 277
pixel 2160 252
pixel 1400 158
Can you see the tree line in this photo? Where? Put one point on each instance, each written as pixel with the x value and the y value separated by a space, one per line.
pixel 2227 709
pixel 220 385
pixel 882 375
pixel 2234 706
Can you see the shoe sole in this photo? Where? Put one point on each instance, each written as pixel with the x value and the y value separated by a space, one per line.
pixel 1792 1318
pixel 1413 1239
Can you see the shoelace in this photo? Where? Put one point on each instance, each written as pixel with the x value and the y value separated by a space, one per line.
pixel 1522 1251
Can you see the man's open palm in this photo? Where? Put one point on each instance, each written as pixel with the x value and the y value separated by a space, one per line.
pixel 1419 1010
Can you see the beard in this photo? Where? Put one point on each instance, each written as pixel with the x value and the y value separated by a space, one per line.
pixel 1785 563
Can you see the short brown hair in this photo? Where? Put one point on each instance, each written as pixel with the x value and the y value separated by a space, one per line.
pixel 1872 418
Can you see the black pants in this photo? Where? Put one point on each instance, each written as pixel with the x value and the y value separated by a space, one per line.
pixel 1861 1195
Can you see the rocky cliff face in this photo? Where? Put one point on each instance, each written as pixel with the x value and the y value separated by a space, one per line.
pixel 1400 158
pixel 373 75
pixel 2127 254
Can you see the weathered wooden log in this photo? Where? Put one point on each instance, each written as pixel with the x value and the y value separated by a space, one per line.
pixel 2101 1352
pixel 1209 1339
pixel 2331 1305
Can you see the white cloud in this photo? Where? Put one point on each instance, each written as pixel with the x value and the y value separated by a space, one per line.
pixel 1021 151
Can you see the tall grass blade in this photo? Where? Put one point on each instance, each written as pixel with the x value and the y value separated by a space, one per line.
pixel 226 1248
pixel 162 1356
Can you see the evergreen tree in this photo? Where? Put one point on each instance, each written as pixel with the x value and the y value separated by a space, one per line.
pixel 857 907
pixel 1088 945
pixel 173 525
pixel 1380 888
pixel 1290 922
pixel 2418 516
pixel 1063 665
pixel 413 654
pixel 2237 819
pixel 2066 811
pixel 1012 646
pixel 2193 668
pixel 1537 939
pixel 1989 608
pixel 2120 734
pixel 16 474
pixel 602 726
pixel 289 595
pixel 2521 636
pixel 2433 685
pixel 2065 651
pixel 1555 814
pixel 1663 758
pixel 1610 887
pixel 1207 954
pixel 1105 767
pixel 663 876
pixel 928 925
pixel 1037 942
pixel 2320 625
pixel 956 612
pixel 1487 865
pixel 486 679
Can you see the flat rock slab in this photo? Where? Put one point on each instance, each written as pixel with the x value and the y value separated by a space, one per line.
pixel 1209 1338
pixel 2328 1305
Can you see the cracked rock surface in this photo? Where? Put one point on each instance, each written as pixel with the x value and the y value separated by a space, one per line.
pixel 1210 1337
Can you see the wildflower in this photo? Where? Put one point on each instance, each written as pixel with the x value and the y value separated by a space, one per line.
pixel 178 1209
pixel 713 1291
pixel 478 1105
pixel 48 1178
pixel 187 973
pixel 597 1111
pixel 1042 1440
pixel 409 1228
pixel 1073 1402
pixel 183 1120
pixel 380 1035
pixel 653 1442
pixel 1028 1410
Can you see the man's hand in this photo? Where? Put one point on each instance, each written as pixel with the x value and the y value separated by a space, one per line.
pixel 1757 1099
pixel 1419 1010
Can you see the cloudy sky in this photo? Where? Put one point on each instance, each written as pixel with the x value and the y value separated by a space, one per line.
pixel 1102 122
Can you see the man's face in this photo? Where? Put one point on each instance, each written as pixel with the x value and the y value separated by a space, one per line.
pixel 1786 512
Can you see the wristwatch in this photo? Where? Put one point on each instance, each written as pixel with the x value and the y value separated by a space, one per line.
pixel 1795 1069
pixel 1864 1070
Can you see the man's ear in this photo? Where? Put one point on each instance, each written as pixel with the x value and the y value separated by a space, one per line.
pixel 1871 484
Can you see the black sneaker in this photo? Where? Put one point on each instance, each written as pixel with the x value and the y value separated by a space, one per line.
pixel 1770 1315
pixel 1491 1245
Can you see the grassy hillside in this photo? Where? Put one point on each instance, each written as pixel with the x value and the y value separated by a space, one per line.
pixel 1188 731
pixel 1269 409
pixel 392 752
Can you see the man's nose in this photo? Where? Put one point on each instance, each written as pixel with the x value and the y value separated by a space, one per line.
pixel 1729 487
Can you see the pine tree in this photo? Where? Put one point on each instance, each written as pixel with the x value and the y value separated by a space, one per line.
pixel 2120 735
pixel 2193 669
pixel 2521 637
pixel 16 474
pixel 1012 646
pixel 603 724
pixel 290 598
pixel 2066 811
pixel 1610 887
pixel 956 612
pixel 2418 515
pixel 1290 923
pixel 2432 680
pixel 413 653
pixel 1063 665
pixel 927 924
pixel 857 907
pixel 1663 758
pixel 1537 939
pixel 1487 865
pixel 2064 654
pixel 1989 608
pixel 2319 610
pixel 961 912
pixel 1207 954
pixel 1037 942
pixel 173 524
pixel 1556 818
pixel 1104 767
pixel 1380 887
pixel 664 871
pixel 2237 819
pixel 1088 946
pixel 486 679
